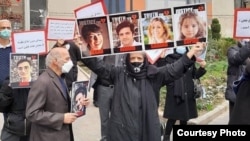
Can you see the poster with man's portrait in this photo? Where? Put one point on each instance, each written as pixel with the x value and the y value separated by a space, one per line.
pixel 157 28
pixel 79 92
pixel 125 32
pixel 95 36
pixel 24 69
pixel 190 24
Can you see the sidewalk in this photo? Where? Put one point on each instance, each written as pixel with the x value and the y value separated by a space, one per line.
pixel 219 115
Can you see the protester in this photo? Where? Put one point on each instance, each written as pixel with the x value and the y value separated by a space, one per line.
pixel 103 89
pixel 180 102
pixel 13 104
pixel 48 104
pixel 191 26
pixel 5 49
pixel 240 114
pixel 236 56
pixel 134 113
pixel 158 31
pixel 75 56
pixel 126 33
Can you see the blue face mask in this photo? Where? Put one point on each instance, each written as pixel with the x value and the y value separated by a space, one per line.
pixel 181 50
pixel 5 34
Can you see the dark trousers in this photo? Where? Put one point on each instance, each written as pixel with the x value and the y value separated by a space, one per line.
pixel 170 124
pixel 231 106
pixel 105 95
pixel 7 136
pixel 95 96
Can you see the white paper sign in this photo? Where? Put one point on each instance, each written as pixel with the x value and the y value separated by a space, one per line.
pixel 154 55
pixel 91 10
pixel 60 29
pixel 29 42
pixel 242 25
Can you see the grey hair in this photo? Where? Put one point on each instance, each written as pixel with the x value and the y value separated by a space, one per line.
pixel 53 54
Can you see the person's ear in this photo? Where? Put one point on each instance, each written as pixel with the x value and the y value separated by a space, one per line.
pixel 55 61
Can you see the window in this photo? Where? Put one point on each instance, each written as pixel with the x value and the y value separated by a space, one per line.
pixel 13 10
pixel 38 12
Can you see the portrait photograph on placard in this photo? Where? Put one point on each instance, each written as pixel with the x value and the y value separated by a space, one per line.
pixel 95 36
pixel 79 92
pixel 60 29
pixel 125 32
pixel 157 28
pixel 24 69
pixel 190 24
pixel 241 23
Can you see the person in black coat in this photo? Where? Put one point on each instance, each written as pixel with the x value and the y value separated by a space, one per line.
pixel 241 114
pixel 236 56
pixel 13 104
pixel 180 102
pixel 134 113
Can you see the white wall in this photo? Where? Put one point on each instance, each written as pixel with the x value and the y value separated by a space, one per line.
pixel 157 4
pixel 223 10
pixel 64 8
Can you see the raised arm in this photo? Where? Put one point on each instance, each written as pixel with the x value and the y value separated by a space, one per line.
pixel 178 68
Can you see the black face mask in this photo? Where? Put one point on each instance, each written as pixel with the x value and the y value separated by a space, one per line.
pixel 137 66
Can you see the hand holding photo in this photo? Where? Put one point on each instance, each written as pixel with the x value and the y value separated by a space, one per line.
pixel 79 98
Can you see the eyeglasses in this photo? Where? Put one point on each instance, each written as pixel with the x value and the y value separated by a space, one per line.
pixel 5 28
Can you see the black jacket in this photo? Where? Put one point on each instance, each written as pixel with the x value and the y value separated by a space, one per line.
pixel 180 103
pixel 134 113
pixel 13 104
pixel 241 114
pixel 236 61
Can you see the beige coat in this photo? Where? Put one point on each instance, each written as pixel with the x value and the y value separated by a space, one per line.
pixel 46 106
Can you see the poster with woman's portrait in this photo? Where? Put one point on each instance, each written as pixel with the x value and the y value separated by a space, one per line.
pixel 95 36
pixel 24 69
pixel 190 24
pixel 78 94
pixel 125 32
pixel 157 28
